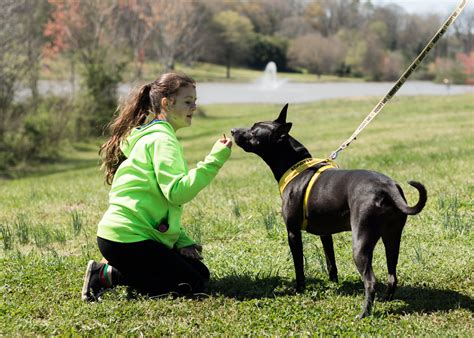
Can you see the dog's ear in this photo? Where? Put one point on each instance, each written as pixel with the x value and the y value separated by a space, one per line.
pixel 282 131
pixel 282 117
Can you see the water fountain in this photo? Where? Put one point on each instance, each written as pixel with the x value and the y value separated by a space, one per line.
pixel 269 80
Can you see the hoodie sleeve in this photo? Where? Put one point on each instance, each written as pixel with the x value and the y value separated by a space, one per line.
pixel 184 240
pixel 179 185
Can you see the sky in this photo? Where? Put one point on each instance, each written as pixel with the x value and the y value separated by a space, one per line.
pixel 443 7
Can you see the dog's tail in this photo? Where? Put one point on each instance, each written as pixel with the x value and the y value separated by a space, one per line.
pixel 401 203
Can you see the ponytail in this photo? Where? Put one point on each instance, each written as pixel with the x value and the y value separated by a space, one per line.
pixel 132 113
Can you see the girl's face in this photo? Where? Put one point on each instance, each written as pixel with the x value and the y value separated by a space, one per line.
pixel 180 109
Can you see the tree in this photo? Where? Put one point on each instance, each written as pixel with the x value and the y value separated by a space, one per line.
pixel 464 30
pixel 13 60
pixel 268 48
pixel 318 54
pixel 391 66
pixel 56 35
pixel 265 15
pixel 294 27
pixel 234 35
pixel 391 16
pixel 90 31
pixel 467 60
pixel 36 14
pixel 425 27
pixel 173 29
pixel 135 30
pixel 21 45
pixel 328 16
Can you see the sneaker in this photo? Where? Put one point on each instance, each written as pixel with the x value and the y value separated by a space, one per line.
pixel 92 288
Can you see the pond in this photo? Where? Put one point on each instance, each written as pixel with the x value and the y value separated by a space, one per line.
pixel 285 92
pixel 307 92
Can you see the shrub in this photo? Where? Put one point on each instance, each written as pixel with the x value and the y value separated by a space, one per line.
pixel 268 48
pixel 100 99
pixel 450 70
pixel 392 66
pixel 35 136
pixel 318 54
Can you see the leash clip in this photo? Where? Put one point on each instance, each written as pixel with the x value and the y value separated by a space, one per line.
pixel 333 155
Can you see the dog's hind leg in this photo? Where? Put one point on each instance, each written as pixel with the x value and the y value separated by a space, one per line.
pixel 364 238
pixel 391 236
pixel 330 258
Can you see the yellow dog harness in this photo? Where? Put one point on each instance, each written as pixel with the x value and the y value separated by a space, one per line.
pixel 297 169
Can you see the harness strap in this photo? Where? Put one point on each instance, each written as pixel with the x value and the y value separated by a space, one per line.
pixel 297 169
pixel 304 225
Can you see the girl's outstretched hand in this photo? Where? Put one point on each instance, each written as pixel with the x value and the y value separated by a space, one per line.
pixel 226 141
pixel 192 251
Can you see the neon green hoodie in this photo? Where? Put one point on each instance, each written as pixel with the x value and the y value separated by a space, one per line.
pixel 151 186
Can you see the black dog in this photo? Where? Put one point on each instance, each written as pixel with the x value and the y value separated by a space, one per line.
pixel 369 204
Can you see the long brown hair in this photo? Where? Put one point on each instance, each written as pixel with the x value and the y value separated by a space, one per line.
pixel 133 112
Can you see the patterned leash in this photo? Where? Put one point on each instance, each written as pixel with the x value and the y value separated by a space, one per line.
pixel 414 65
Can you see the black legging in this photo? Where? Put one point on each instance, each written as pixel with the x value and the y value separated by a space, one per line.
pixel 153 269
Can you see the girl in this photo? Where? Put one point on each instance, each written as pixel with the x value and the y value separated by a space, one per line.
pixel 140 235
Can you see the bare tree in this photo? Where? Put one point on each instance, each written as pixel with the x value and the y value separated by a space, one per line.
pixel 318 54
pixel 36 15
pixel 266 15
pixel 90 30
pixel 13 65
pixel 174 29
pixel 424 26
pixel 22 41
pixel 464 30
pixel 136 29
pixel 328 16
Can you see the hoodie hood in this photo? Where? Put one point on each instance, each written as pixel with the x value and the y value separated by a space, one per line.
pixel 137 133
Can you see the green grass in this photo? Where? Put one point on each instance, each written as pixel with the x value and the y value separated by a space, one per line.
pixel 48 224
pixel 59 69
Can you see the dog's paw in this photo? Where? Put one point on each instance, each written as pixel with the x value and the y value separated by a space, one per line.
pixel 300 288
pixel 387 297
pixel 365 313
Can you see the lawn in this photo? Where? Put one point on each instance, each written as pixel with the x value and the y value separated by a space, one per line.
pixel 48 224
pixel 59 69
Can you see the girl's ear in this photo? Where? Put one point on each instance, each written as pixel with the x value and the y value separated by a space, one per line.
pixel 167 102
pixel 164 103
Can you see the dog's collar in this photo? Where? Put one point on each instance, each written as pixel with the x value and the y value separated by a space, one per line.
pixel 297 169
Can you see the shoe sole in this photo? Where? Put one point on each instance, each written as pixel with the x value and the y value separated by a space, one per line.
pixel 85 286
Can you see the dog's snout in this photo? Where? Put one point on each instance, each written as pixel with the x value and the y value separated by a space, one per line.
pixel 232 131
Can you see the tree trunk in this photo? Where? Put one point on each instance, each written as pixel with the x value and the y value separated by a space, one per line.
pixel 34 88
pixel 228 68
pixel 33 72
pixel 139 60
pixel 72 75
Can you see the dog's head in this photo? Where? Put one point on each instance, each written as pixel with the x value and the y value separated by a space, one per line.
pixel 263 136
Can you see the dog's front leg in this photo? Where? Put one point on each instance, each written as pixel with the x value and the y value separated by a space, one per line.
pixel 330 258
pixel 296 247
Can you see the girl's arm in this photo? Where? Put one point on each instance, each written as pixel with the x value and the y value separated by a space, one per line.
pixel 177 183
